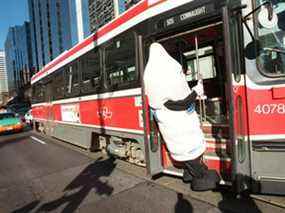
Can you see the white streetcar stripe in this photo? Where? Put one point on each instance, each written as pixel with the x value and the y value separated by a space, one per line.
pixel 37 140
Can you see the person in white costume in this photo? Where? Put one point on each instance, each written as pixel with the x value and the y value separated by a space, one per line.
pixel 173 105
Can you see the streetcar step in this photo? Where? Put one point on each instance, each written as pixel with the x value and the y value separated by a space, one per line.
pixel 216 130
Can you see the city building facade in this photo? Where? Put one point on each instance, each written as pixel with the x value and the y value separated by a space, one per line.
pixel 50 27
pixel 79 19
pixel 103 11
pixel 19 64
pixel 3 78
pixel 56 26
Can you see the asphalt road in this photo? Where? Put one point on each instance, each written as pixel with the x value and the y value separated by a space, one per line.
pixel 37 175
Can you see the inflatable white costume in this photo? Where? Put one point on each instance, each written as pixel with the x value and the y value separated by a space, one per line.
pixel 172 102
pixel 164 80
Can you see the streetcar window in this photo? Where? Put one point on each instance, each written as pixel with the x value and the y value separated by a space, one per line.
pixel 72 79
pixel 58 85
pixel 90 71
pixel 271 60
pixel 34 94
pixel 48 89
pixel 206 63
pixel 120 60
pixel 38 92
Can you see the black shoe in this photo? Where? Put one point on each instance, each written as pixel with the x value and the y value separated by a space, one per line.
pixel 208 182
pixel 187 177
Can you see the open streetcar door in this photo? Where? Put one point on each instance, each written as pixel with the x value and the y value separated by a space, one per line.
pixel 151 132
pixel 233 44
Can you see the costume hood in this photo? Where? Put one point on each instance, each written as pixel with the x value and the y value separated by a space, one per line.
pixel 164 78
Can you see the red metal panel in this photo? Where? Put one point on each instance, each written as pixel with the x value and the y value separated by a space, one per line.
pixel 278 93
pixel 40 112
pixel 56 112
pixel 116 112
pixel 266 115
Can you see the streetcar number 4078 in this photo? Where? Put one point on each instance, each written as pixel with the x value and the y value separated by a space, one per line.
pixel 268 109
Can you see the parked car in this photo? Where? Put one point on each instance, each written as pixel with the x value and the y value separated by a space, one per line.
pixel 9 122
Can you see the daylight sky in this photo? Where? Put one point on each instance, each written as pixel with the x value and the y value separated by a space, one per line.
pixel 12 12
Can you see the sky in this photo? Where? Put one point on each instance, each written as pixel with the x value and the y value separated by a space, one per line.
pixel 12 12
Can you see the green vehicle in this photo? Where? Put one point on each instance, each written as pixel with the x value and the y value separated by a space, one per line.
pixel 9 122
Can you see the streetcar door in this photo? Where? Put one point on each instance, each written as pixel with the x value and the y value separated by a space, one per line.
pixel 151 131
pixel 200 52
pixel 233 44
pixel 48 99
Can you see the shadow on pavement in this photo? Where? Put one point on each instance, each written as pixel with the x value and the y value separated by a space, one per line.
pixel 230 203
pixel 27 208
pixel 76 191
pixel 183 205
pixel 87 180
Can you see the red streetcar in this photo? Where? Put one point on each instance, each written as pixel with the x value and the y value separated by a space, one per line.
pixel 92 94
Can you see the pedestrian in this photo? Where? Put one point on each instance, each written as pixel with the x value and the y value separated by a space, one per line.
pixel 173 105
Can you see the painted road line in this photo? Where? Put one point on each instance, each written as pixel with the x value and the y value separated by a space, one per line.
pixel 37 140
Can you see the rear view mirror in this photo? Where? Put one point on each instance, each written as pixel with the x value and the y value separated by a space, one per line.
pixel 267 18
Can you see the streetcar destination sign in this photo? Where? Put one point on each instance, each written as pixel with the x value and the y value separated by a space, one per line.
pixel 197 12
pixel 186 16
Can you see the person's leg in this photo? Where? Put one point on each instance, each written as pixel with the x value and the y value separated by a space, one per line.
pixel 195 167
pixel 187 176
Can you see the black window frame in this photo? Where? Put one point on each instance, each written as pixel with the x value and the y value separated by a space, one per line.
pixel 38 92
pixel 125 84
pixel 88 86
pixel 74 90
pixel 58 84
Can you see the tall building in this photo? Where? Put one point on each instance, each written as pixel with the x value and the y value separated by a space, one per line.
pixel 79 19
pixel 3 77
pixel 18 54
pixel 56 26
pixel 103 11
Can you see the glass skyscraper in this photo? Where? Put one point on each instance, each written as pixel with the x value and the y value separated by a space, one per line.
pixel 3 76
pixel 79 19
pixel 56 26
pixel 18 54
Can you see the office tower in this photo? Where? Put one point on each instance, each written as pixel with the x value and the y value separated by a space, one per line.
pixel 3 77
pixel 19 64
pixel 56 26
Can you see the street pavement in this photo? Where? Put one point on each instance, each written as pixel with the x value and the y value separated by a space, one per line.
pixel 39 175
